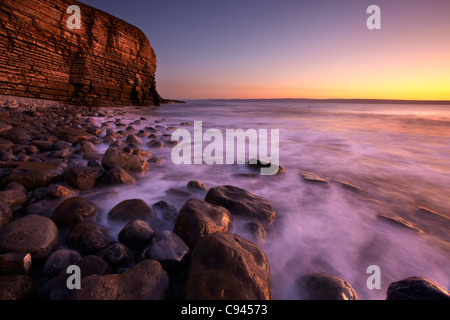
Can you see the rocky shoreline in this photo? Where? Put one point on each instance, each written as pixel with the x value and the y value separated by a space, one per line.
pixel 48 154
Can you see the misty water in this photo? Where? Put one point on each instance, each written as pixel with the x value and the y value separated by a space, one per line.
pixel 396 157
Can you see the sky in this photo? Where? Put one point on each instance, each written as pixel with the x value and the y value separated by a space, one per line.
pixel 317 49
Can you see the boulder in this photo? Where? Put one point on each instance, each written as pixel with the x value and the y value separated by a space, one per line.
pixel 30 234
pixel 198 218
pixel 16 287
pixel 88 238
pixel 168 249
pixel 84 178
pixel 242 203
pixel 136 233
pixel 116 254
pixel 19 263
pixel 311 177
pixel 129 210
pixel 325 287
pixel 33 175
pixel 194 185
pixel 59 260
pixel 6 214
pixel 59 191
pixel 225 266
pixel 118 176
pixel 72 135
pixel 416 288
pixel 73 211
pixel 13 197
pixel 129 162
pixel 145 281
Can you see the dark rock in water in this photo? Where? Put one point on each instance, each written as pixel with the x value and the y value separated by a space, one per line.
pixel 256 230
pixel 166 211
pixel 198 218
pixel 257 164
pixel 118 176
pixel 88 238
pixel 416 288
pixel 73 211
pixel 350 187
pixel 16 287
pixel 13 197
pixel 33 175
pixel 6 143
pixel 19 263
pixel 61 145
pixel 57 287
pixel 145 281
pixel 84 178
pixel 6 214
pixel 131 138
pixel 136 233
pixel 240 202
pixel 400 222
pixel 43 145
pixel 129 210
pixel 116 254
pixel 17 135
pixel 225 266
pixel 59 191
pixel 72 135
pixel 197 186
pixel 129 162
pixel 168 249
pixel 30 234
pixel 155 144
pixel 59 260
pixel 325 287
pixel 313 178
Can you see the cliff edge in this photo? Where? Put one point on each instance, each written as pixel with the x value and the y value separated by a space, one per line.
pixel 106 61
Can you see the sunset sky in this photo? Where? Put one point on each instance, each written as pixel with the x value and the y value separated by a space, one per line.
pixel 294 49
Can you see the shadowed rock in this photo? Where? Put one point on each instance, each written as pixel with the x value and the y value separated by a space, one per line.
pixel 416 288
pixel 325 287
pixel 73 211
pixel 129 210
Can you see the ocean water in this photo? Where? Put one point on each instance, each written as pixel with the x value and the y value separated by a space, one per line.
pixel 396 157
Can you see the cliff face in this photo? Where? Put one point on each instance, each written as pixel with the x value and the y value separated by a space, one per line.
pixel 107 61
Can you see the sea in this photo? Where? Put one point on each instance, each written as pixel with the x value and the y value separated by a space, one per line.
pixel 386 203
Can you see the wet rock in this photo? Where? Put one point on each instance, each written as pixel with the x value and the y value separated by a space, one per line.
pixel 349 186
pixel 136 233
pixel 198 218
pixel 19 263
pixel 73 211
pixel 88 238
pixel 257 164
pixel 168 249
pixel 165 211
pixel 240 202
pixel 116 254
pixel 59 260
pixel 225 266
pixel 16 186
pixel 194 185
pixel 13 197
pixel 33 175
pixel 325 287
pixel 5 143
pixel 59 191
pixel 129 162
pixel 155 144
pixel 72 135
pixel 84 178
pixel 6 214
pixel 56 288
pixel 30 234
pixel 118 176
pixel 131 138
pixel 16 287
pixel 62 145
pixel 256 230
pixel 313 178
pixel 416 288
pixel 129 210
pixel 17 135
pixel 145 281
pixel 43 145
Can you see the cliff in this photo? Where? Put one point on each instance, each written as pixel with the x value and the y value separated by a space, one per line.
pixel 107 61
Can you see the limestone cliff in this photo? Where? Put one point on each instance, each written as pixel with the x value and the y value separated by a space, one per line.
pixel 107 61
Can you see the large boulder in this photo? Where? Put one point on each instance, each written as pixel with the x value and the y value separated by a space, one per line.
pixel 33 175
pixel 136 233
pixel 13 197
pixel 16 287
pixel 30 234
pixel 145 281
pixel 114 158
pixel 225 266
pixel 129 210
pixel 72 135
pixel 88 237
pixel 416 288
pixel 59 260
pixel 198 218
pixel 84 178
pixel 325 287
pixel 240 202
pixel 73 211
